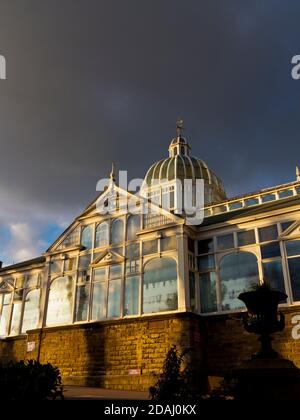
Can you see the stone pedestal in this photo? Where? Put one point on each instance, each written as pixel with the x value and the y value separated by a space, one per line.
pixel 267 379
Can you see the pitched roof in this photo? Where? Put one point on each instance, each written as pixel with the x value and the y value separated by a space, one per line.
pixel 22 264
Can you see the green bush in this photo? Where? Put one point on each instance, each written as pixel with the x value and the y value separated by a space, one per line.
pixel 174 382
pixel 30 380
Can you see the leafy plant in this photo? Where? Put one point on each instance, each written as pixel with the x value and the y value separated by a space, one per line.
pixel 175 381
pixel 30 380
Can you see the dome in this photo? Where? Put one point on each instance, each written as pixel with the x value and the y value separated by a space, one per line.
pixel 180 165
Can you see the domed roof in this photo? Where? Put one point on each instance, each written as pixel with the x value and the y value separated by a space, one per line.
pixel 180 165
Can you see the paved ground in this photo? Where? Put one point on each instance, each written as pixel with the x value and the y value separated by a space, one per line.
pixel 87 393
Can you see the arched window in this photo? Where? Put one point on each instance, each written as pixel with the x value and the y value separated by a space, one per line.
pixel 133 226
pixel 87 237
pixel 5 313
pixel 117 232
pixel 238 273
pixel 60 302
pixel 101 235
pixel 160 286
pixel 31 311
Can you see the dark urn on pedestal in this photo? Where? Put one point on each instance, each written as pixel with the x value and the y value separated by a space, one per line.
pixel 262 317
pixel 266 376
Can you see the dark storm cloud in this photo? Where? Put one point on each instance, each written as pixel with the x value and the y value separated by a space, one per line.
pixel 89 82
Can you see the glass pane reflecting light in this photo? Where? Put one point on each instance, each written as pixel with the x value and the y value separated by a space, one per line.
pixel 99 301
pixel 87 237
pixel 133 226
pixel 132 290
pixel 4 318
pixel 246 237
pixel 268 233
pixel 101 235
pixel 117 231
pixel 273 275
pixel 208 294
pixel 114 299
pixel 60 302
pixel 294 269
pixel 238 273
pixel 31 311
pixel 82 302
pixel 225 241
pixel 160 285
pixel 16 318
pixel 292 248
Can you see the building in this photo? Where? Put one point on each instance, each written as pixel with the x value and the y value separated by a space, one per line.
pixel 107 300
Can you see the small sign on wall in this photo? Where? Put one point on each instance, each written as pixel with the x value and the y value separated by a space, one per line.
pixel 134 372
pixel 30 346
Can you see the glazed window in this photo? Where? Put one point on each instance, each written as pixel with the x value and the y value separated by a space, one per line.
pixel 270 250
pixel 268 233
pixel 208 294
pixel 206 246
pixel 251 202
pixel 150 247
pixel 31 311
pixel 71 240
pixel 115 271
pixel 191 245
pixel 236 205
pixel 102 235
pixel 5 313
pixel 60 302
pixel 132 258
pixel 192 287
pixel 99 301
pixel 114 291
pixel 70 264
pixel 273 274
pixel 133 226
pixel 16 319
pixel 286 225
pixel 87 237
pixel 293 254
pixel 133 251
pixel 160 286
pixel 168 243
pixel 268 197
pixel 82 296
pixel 56 266
pixel 117 232
pixel 238 273
pixel 114 298
pixel 246 237
pixel 225 242
pixel 285 193
pixel 132 292
pixel 207 262
pixel 33 280
pixel 84 261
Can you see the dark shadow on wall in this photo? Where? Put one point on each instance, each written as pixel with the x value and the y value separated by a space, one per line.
pixel 93 357
pixel 12 350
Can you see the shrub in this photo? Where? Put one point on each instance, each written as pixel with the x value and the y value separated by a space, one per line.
pixel 174 382
pixel 30 380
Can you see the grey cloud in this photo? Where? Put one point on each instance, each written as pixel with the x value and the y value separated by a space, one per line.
pixel 91 82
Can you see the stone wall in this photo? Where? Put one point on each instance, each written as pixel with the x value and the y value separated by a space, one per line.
pixel 125 354
pixel 120 354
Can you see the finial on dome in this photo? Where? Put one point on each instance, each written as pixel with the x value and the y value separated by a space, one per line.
pixel 112 173
pixel 179 126
pixel 297 174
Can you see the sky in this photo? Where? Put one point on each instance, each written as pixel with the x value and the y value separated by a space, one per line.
pixel 91 82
